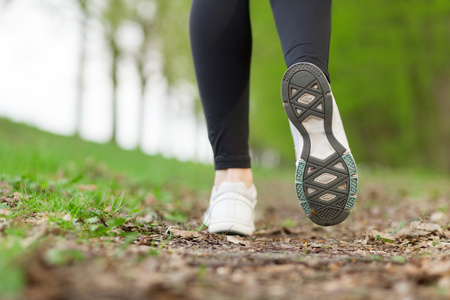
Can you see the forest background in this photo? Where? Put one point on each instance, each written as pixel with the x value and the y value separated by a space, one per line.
pixel 389 69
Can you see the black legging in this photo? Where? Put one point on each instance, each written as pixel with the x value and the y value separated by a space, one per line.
pixel 221 42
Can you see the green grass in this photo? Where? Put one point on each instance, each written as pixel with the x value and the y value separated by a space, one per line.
pixel 30 152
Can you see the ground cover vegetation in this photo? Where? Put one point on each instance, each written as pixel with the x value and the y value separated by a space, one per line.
pixel 80 220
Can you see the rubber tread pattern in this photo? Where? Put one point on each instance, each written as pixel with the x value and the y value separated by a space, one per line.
pixel 340 185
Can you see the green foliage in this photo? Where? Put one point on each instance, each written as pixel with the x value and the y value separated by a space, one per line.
pixel 389 70
pixel 384 240
pixel 387 63
pixel 172 23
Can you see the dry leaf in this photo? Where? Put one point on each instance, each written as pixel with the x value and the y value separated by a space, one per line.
pixel 426 227
pixel 235 239
pixel 185 234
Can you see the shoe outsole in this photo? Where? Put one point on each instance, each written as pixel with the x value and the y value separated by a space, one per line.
pixel 230 228
pixel 326 188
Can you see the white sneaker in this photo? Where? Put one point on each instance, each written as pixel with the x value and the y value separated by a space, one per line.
pixel 231 209
pixel 326 179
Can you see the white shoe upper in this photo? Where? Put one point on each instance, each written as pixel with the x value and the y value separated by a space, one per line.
pixel 231 209
pixel 320 147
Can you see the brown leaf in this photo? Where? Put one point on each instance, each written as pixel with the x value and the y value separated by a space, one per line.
pixel 411 232
pixel 185 234
pixel 429 227
pixel 235 240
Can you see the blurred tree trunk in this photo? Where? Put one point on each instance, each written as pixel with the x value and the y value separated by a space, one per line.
pixel 84 9
pixel 143 13
pixel 112 18
pixel 141 60
pixel 115 53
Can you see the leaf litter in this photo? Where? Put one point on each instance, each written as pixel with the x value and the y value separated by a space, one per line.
pixel 383 250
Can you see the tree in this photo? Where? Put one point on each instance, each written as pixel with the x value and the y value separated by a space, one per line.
pixel 112 18
pixel 85 14
pixel 142 12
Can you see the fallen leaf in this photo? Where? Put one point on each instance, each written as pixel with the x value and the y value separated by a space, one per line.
pixel 185 234
pixel 426 227
pixel 438 216
pixel 235 240
pixel 411 232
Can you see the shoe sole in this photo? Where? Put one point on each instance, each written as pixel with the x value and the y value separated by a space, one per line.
pixel 326 188
pixel 230 228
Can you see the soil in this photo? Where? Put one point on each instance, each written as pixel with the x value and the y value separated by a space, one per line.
pixel 391 247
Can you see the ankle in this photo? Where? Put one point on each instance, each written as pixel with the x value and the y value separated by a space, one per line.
pixel 234 175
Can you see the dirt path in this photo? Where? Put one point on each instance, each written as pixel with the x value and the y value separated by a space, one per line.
pixel 391 247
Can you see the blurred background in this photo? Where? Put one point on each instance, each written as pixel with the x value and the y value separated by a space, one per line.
pixel 120 71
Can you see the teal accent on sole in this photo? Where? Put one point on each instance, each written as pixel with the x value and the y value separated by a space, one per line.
pixel 354 185
pixel 350 202
pixel 299 190
pixel 350 162
pixel 299 187
pixel 300 170
pixel 306 207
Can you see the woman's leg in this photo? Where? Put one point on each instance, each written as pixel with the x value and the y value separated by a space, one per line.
pixel 221 46
pixel 304 28
pixel 326 179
